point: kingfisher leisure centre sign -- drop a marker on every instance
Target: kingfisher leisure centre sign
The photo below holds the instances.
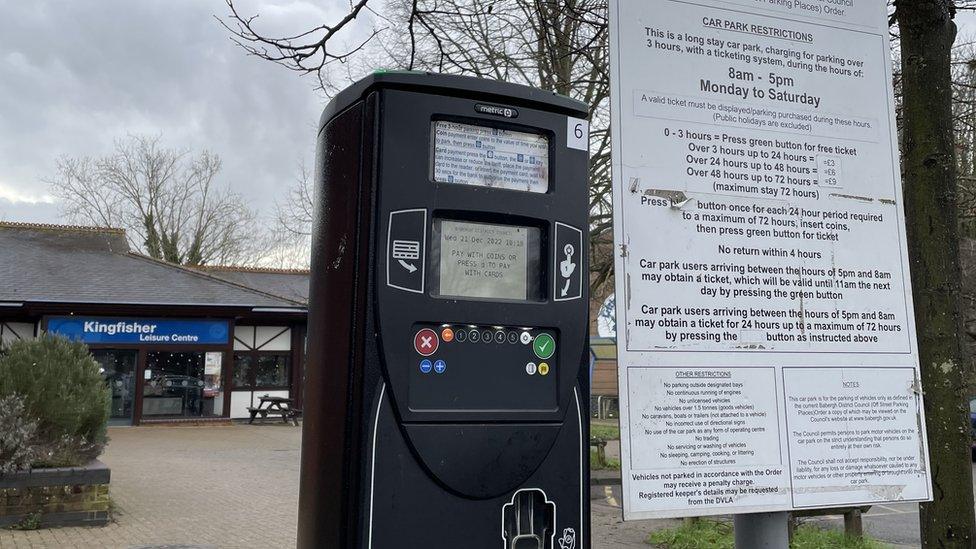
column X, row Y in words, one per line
column 140, row 330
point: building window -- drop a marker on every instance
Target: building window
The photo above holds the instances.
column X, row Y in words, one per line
column 271, row 371
column 181, row 384
column 242, row 371
column 257, row 370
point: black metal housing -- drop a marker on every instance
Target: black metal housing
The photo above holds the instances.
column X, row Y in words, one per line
column 376, row 472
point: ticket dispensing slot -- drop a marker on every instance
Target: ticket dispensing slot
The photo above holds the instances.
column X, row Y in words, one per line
column 529, row 521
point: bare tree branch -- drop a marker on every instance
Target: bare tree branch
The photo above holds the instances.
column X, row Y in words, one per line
column 167, row 201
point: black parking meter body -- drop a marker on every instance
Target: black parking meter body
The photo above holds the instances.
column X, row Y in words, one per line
column 446, row 387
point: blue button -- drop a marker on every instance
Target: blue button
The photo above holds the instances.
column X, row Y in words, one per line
column 440, row 366
column 425, row 366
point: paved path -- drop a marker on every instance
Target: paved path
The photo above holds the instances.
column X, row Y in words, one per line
column 236, row 486
column 233, row 486
column 608, row 528
column 229, row 486
column 895, row 523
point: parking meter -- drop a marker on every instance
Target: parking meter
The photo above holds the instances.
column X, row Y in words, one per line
column 446, row 383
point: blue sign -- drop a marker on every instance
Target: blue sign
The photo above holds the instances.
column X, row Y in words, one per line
column 154, row 331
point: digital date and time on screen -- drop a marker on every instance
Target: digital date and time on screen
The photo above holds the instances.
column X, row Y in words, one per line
column 481, row 260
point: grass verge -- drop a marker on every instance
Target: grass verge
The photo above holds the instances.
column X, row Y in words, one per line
column 605, row 432
column 713, row 534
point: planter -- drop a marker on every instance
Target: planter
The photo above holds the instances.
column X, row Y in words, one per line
column 64, row 496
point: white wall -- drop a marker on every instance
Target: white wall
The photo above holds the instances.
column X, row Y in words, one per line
column 240, row 400
column 14, row 331
column 262, row 338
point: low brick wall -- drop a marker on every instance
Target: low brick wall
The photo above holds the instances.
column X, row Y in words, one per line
column 65, row 496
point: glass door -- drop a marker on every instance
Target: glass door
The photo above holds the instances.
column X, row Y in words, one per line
column 119, row 368
column 182, row 384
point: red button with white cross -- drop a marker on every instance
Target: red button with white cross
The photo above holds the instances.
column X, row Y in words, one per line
column 426, row 342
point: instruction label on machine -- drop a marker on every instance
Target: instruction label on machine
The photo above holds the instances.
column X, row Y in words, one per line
column 766, row 340
column 467, row 154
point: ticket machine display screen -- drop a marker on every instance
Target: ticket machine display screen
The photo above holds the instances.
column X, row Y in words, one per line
column 467, row 154
column 483, row 260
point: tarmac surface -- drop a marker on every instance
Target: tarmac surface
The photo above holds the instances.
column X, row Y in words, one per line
column 236, row 486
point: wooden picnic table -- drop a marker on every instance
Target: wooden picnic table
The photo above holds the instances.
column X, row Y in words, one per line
column 275, row 406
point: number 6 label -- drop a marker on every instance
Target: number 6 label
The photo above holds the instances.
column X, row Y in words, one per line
column 578, row 134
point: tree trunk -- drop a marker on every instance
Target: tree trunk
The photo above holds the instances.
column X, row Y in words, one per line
column 927, row 33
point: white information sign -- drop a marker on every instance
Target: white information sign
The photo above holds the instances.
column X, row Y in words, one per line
column 212, row 363
column 766, row 340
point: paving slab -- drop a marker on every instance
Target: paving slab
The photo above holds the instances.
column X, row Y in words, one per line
column 236, row 486
column 211, row 486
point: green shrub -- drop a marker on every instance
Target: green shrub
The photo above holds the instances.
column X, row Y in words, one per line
column 63, row 390
column 18, row 434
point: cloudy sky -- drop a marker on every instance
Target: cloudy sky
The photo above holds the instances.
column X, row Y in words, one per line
column 76, row 75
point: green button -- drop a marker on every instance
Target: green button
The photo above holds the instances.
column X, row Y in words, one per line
column 544, row 346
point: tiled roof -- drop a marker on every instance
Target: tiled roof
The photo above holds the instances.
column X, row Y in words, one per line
column 241, row 269
column 55, row 263
column 287, row 283
column 60, row 228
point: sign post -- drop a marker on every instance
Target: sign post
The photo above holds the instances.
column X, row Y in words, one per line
column 766, row 338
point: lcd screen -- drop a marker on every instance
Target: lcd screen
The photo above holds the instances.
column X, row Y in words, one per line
column 481, row 260
column 467, row 154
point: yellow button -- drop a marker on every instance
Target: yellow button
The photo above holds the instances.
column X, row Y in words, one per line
column 543, row 369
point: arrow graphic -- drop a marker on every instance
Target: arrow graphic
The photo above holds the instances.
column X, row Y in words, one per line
column 410, row 267
column 565, row 289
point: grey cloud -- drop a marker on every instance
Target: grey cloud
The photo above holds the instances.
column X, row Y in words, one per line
column 76, row 75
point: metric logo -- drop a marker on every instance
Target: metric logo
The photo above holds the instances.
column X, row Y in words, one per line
column 496, row 110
